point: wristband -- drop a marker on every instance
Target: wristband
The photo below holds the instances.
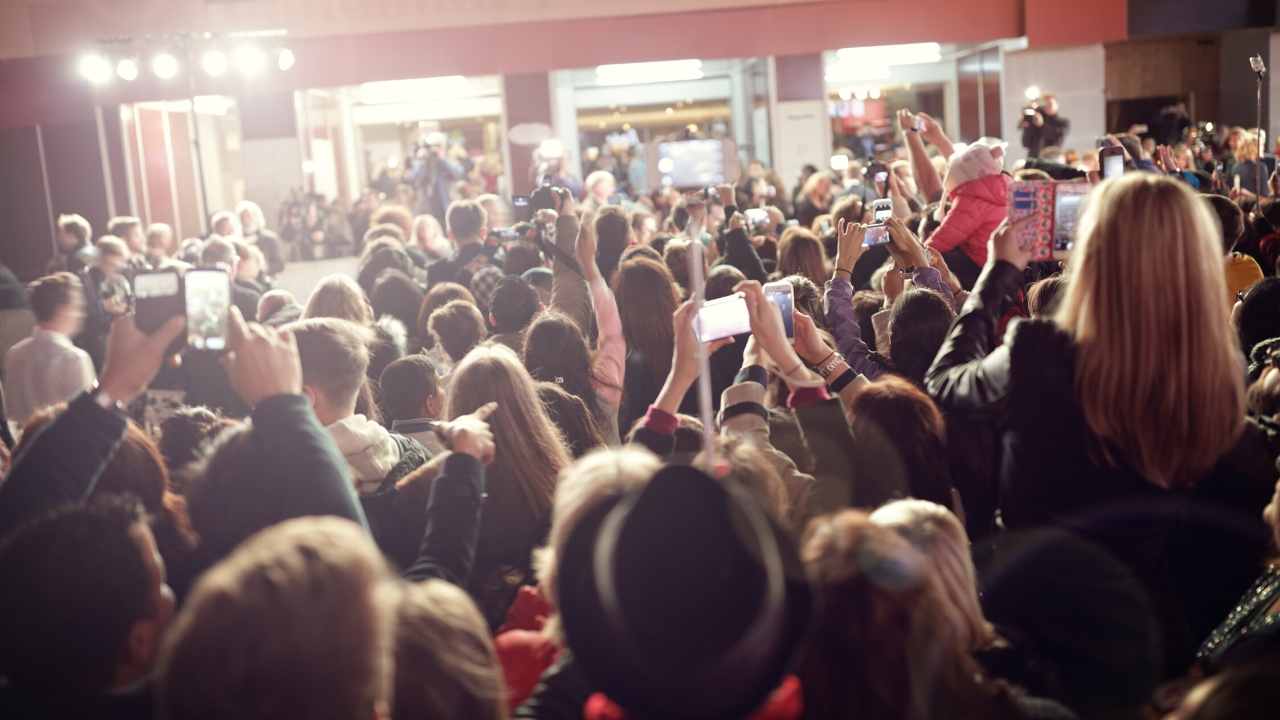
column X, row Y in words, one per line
column 106, row 402
column 843, row 381
column 830, row 365
column 753, row 373
column 744, row 408
column 846, row 272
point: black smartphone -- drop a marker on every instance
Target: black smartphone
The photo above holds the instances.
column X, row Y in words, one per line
column 158, row 298
column 208, row 302
column 520, row 208
column 1111, row 159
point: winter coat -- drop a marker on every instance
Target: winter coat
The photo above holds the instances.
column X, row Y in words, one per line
column 976, row 208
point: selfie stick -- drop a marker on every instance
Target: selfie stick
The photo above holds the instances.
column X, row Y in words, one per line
column 697, row 291
column 1257, row 65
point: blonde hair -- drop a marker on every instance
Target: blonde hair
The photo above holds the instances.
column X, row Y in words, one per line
column 445, row 663
column 297, row 620
column 1247, row 147
column 530, row 450
column 597, row 477
column 938, row 535
column 338, row 296
column 1171, row 415
column 812, row 182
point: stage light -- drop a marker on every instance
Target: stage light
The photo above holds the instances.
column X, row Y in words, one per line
column 249, row 60
column 164, row 65
column 1032, row 93
column 127, row 69
column 285, row 59
column 95, row 68
column 214, row 63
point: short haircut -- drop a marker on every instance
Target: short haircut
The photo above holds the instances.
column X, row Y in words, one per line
column 185, row 434
column 722, row 280
column 383, row 230
column 51, row 293
column 612, row 235
column 514, row 304
column 437, row 297
column 297, row 620
column 405, row 384
column 334, row 355
column 397, row 216
column 338, row 296
column 110, row 245
column 218, row 250
column 458, row 326
column 77, row 227
column 1044, row 296
column 396, row 294
column 466, row 219
column 159, row 231
column 75, row 583
column 273, row 301
column 520, row 258
column 122, row 225
column 1230, row 219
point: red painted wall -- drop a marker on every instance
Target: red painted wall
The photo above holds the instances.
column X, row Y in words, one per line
column 1080, row 22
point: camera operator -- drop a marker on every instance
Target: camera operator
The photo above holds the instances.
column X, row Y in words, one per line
column 434, row 176
column 1042, row 126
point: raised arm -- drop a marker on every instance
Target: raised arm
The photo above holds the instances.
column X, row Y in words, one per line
column 922, row 168
column 569, row 293
column 838, row 304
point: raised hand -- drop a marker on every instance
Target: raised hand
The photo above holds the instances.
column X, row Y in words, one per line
column 1004, row 244
column 684, row 358
column 904, row 247
column 906, row 120
column 133, row 357
column 849, row 237
column 263, row 362
column 808, row 343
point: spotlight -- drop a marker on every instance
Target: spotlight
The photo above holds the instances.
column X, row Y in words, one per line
column 164, row 65
column 95, row 68
column 1032, row 93
column 874, row 93
column 285, row 59
column 214, row 63
column 127, row 69
column 249, row 60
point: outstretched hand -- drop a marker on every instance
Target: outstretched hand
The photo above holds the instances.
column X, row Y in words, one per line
column 809, row 344
column 134, row 357
column 684, row 359
column 263, row 362
column 470, row 434
column 849, row 237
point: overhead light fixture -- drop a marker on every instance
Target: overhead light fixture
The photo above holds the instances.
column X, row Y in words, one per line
column 164, row 65
column 907, row 54
column 249, row 60
column 214, row 63
column 649, row 72
column 444, row 87
column 285, row 59
column 1032, row 93
column 95, row 68
column 843, row 72
column 127, row 69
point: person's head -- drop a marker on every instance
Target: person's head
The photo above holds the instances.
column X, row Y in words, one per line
column 514, row 304
column 752, row 470
column 900, row 433
column 817, row 187
column 458, row 327
column 396, row 215
column 57, row 301
column 807, row 298
column 429, row 236
column 437, row 297
column 800, row 252
column 335, row 357
column 466, row 222
column 299, row 620
column 73, row 232
column 1118, row 310
column 185, row 434
column 647, row 299
column 220, row 252
column 571, row 416
column 225, row 223
column 251, row 260
column 85, row 603
column 1230, row 220
column 410, row 389
column 495, row 211
column 378, row 236
column 129, row 229
column 445, row 663
column 396, row 294
column 541, row 279
column 676, row 257
column 600, row 185
column 160, row 242
column 1049, row 104
column 273, row 301
column 556, row 351
column 918, row 323
column 382, row 260
column 939, row 535
column 1258, row 316
column 643, row 226
column 1247, row 148
column 113, row 255
column 521, row 257
column 532, row 452
column 722, row 280
column 338, row 296
column 866, row 303
column 1044, row 296
column 613, row 235
column 252, row 221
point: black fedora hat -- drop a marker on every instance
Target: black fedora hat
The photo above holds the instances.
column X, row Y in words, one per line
column 682, row 599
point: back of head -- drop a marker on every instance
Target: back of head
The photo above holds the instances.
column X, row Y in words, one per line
column 74, row 585
column 437, row 297
column 465, row 220
column 185, row 433
column 334, row 355
column 918, row 324
column 218, row 251
column 397, row 295
column 122, row 225
column 571, row 417
column 405, row 385
column 521, row 258
column 1117, row 310
column 900, row 432
column 77, row 227
column 274, row 302
column 613, row 233
column 445, row 664
column 514, row 304
column 1259, row 316
column 801, row 253
column 458, row 327
column 111, row 246
column 396, row 215
column 646, row 301
column 380, row 236
column 297, row 621
column 556, row 351
column 51, row 293
column 722, row 280
column 1044, row 296
column 380, row 261
column 676, row 257
column 338, row 296
column 1230, row 220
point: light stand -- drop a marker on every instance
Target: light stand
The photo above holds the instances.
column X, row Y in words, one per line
column 1260, row 67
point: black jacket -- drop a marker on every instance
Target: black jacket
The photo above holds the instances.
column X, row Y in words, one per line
column 1194, row 551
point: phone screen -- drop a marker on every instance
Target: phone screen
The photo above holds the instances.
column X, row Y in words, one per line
column 208, row 305
column 876, row 235
column 1066, row 211
column 722, row 318
column 1112, row 164
column 158, row 297
column 782, row 294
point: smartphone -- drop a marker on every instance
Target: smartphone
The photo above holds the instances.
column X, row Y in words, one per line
column 919, row 124
column 1066, row 212
column 1112, row 161
column 782, row 294
column 520, row 207
column 158, row 298
column 839, row 163
column 757, row 220
column 208, row 296
column 877, row 231
column 721, row 318
column 1235, row 182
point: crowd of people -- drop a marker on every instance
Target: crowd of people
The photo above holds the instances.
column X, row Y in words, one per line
column 480, row 477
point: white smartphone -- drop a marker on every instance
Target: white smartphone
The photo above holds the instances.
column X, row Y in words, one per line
column 782, row 294
column 208, row 307
column 877, row 231
column 721, row 318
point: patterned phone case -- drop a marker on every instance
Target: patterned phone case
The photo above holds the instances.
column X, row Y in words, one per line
column 1033, row 198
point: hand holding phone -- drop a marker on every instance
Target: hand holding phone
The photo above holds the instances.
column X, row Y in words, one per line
column 1112, row 160
column 208, row 300
column 722, row 318
column 878, row 232
column 782, row 295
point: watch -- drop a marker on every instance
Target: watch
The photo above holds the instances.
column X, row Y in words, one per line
column 105, row 401
column 830, row 365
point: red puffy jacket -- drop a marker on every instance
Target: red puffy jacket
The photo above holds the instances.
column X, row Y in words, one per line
column 976, row 208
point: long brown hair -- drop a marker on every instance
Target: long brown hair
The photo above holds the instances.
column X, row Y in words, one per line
column 800, row 252
column 1158, row 371
column 646, row 301
column 530, row 450
column 338, row 296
